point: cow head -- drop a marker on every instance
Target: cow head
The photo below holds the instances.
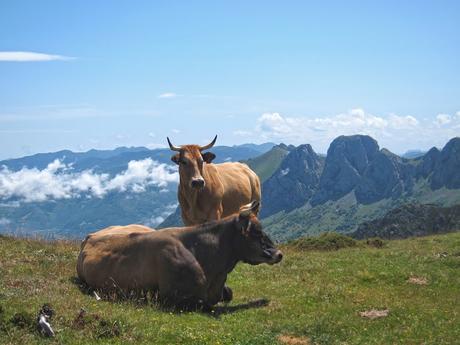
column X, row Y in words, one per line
column 191, row 159
column 253, row 245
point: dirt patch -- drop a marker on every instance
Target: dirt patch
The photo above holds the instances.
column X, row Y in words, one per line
column 291, row 340
column 98, row 326
column 418, row 280
column 374, row 313
column 23, row 320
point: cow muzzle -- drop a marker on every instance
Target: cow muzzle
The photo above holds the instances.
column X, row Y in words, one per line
column 197, row 183
column 273, row 255
column 278, row 256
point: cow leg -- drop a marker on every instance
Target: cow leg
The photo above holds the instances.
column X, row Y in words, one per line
column 227, row 294
column 181, row 279
column 217, row 291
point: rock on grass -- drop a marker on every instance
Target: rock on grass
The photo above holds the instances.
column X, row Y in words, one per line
column 374, row 313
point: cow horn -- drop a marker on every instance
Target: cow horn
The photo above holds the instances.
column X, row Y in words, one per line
column 172, row 147
column 211, row 144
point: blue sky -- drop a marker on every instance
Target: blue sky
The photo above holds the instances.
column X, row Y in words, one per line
column 131, row 73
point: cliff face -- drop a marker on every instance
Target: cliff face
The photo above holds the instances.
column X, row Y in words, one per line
column 386, row 176
column 446, row 172
column 294, row 182
column 356, row 163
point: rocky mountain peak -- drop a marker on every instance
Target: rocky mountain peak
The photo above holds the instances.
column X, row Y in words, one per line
column 347, row 159
column 294, row 182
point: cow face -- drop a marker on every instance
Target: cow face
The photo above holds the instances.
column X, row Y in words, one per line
column 191, row 160
column 255, row 246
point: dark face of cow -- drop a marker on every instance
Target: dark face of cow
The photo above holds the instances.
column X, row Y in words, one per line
column 191, row 160
column 254, row 246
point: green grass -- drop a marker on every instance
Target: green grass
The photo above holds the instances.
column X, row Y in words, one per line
column 266, row 164
column 313, row 295
column 325, row 241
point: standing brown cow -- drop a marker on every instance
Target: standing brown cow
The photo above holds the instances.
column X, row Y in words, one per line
column 211, row 191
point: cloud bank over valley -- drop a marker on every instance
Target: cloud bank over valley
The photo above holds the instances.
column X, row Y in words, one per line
column 58, row 181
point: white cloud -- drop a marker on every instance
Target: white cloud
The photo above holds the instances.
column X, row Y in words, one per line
column 396, row 132
column 58, row 181
column 402, row 122
column 167, row 95
column 443, row 119
column 300, row 129
column 31, row 56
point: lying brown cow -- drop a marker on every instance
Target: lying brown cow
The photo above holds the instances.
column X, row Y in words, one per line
column 211, row 191
column 183, row 264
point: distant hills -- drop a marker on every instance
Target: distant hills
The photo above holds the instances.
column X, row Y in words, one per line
column 116, row 160
column 351, row 189
column 131, row 200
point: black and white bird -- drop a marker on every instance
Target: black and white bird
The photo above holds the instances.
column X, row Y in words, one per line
column 43, row 324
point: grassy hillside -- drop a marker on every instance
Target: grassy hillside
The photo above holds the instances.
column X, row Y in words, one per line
column 312, row 297
column 345, row 215
column 265, row 165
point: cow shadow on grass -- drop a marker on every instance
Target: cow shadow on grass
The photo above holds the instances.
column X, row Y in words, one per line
column 149, row 298
column 219, row 310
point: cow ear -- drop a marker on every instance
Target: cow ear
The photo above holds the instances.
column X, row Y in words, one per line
column 208, row 157
column 255, row 206
column 252, row 208
column 175, row 158
column 244, row 223
column 244, row 219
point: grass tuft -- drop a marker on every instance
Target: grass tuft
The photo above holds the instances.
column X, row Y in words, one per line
column 326, row 241
column 375, row 242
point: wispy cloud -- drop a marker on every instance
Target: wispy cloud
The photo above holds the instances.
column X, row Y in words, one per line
column 168, row 95
column 58, row 181
column 17, row 56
